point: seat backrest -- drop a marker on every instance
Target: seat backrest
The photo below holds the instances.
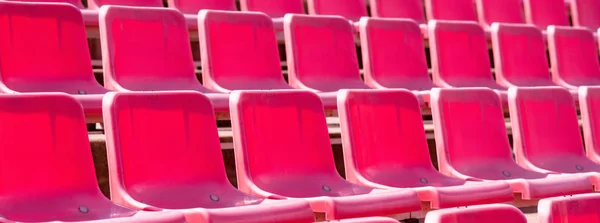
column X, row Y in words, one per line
column 469, row 128
column 589, row 102
column 161, row 60
column 575, row 208
column 273, row 8
column 321, row 53
column 239, row 51
column 352, row 10
column 459, row 54
column 382, row 130
column 520, row 55
column 162, row 143
column 491, row 213
column 574, row 56
column 280, row 135
column 96, row 4
column 462, row 10
column 586, row 13
column 390, row 63
column 50, row 35
column 194, row 6
column 543, row 13
column 407, row 9
column 76, row 3
column 503, row 11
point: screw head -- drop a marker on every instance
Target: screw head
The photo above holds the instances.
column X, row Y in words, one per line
column 326, row 188
column 423, row 180
column 506, row 173
column 83, row 209
column 214, row 197
column 580, row 168
column 81, row 92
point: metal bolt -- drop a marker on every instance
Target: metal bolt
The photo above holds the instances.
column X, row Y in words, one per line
column 83, row 209
column 81, row 92
column 423, row 180
column 506, row 174
column 578, row 167
column 214, row 197
column 326, row 188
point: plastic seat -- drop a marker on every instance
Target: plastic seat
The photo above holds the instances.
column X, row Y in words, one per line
column 160, row 61
column 546, row 135
column 54, row 57
column 586, row 13
column 352, row 10
column 190, row 8
column 90, row 17
column 321, row 55
column 96, row 4
column 576, row 208
column 589, row 102
column 491, row 213
column 502, row 11
column 189, row 176
column 458, row 10
column 405, row 9
column 367, row 220
column 47, row 172
column 459, row 56
column 282, row 151
column 472, row 144
column 239, row 52
column 543, row 13
column 573, row 56
column 389, row 63
column 385, row 147
column 276, row 9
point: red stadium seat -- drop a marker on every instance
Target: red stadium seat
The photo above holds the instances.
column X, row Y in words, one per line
column 576, row 208
column 502, row 11
column 321, row 55
column 96, row 4
column 546, row 135
column 472, row 144
column 389, row 63
column 52, row 57
column 460, row 10
column 282, row 151
column 459, row 56
column 352, row 10
column 189, row 176
column 573, row 56
column 160, row 61
column 405, row 9
column 276, row 9
column 586, row 13
column 385, row 147
column 239, row 52
column 46, row 168
column 492, row 213
column 190, row 8
column 90, row 17
column 543, row 13
column 589, row 101
column 366, row 220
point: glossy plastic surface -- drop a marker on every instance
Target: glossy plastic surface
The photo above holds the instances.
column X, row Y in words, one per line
column 543, row 13
column 76, row 3
column 472, row 144
column 239, row 51
column 576, row 208
column 192, row 7
column 53, row 164
column 502, row 11
column 352, row 10
column 589, row 102
column 406, row 9
column 385, row 147
column 390, row 63
column 96, row 4
column 273, row 8
column 573, row 56
column 586, row 13
column 53, row 57
column 460, row 10
column 264, row 121
column 492, row 213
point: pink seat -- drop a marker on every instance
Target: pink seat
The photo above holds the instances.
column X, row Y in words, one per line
column 160, row 61
column 90, row 17
column 389, row 63
column 492, row 213
column 282, row 151
column 455, row 65
column 502, row 11
column 189, row 176
column 321, row 55
column 543, row 13
column 239, row 52
column 460, row 10
column 546, row 133
column 589, row 102
column 586, row 13
column 53, row 57
column 47, row 172
column 96, row 4
column 366, row 220
column 406, row 9
column 574, row 57
column 576, row 208
column 276, row 9
column 352, row 10
column 190, row 8
column 385, row 147
column 472, row 144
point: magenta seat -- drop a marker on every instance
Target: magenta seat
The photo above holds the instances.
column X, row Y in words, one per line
column 282, row 151
column 190, row 8
column 502, row 11
column 576, row 208
column 389, row 63
column 321, row 55
column 586, row 13
column 573, row 56
column 276, row 9
column 455, row 65
column 53, row 57
column 543, row 13
column 405, row 9
column 491, row 213
column 96, row 4
column 385, row 147
column 546, row 133
column 160, row 61
column 239, row 51
column 47, row 172
column 366, row 220
column 461, row 10
column 352, row 10
column 188, row 177
column 472, row 144
column 589, row 102
column 90, row 17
